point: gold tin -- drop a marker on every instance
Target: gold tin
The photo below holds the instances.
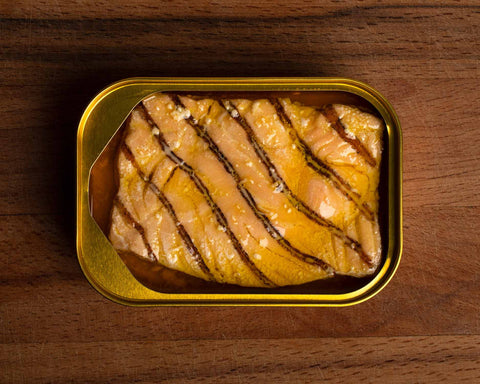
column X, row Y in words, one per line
column 106, row 271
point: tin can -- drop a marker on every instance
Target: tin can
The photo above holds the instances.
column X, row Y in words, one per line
column 109, row 274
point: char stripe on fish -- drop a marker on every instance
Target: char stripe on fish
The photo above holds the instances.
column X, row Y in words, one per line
column 192, row 249
column 170, row 176
column 203, row 134
column 318, row 165
column 336, row 123
column 276, row 178
column 137, row 226
column 219, row 215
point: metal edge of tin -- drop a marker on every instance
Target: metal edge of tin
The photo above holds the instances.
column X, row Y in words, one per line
column 102, row 266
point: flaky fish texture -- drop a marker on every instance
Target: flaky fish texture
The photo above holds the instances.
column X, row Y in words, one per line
column 257, row 193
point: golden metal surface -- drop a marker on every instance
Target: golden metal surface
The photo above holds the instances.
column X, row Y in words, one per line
column 106, row 113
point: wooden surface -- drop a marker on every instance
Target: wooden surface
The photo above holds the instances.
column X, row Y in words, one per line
column 55, row 56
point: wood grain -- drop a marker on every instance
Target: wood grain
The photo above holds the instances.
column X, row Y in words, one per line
column 424, row 58
column 345, row 360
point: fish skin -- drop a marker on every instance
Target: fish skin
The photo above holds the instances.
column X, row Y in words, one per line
column 221, row 258
column 304, row 234
column 313, row 127
column 144, row 206
column 223, row 189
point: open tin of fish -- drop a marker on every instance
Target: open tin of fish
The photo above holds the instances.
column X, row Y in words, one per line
column 125, row 280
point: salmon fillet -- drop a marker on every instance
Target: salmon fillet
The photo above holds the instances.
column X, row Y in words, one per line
column 257, row 193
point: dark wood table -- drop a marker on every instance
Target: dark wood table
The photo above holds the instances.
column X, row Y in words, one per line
column 424, row 57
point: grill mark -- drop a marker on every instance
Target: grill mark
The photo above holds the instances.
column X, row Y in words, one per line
column 335, row 254
column 192, row 249
column 201, row 131
column 329, row 112
column 283, row 187
column 219, row 215
column 214, row 262
column 170, row 176
column 137, row 226
column 317, row 164
column 272, row 251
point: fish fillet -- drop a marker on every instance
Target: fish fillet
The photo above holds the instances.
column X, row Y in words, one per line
column 257, row 193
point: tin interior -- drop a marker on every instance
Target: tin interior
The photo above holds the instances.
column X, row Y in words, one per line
column 103, row 187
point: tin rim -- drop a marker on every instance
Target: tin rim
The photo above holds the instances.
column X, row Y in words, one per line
column 134, row 293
